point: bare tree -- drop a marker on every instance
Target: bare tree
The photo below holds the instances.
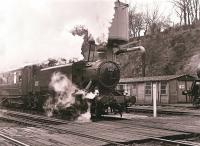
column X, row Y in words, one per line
column 136, row 24
column 151, row 22
column 181, row 9
column 188, row 10
column 132, row 12
column 196, row 9
column 155, row 21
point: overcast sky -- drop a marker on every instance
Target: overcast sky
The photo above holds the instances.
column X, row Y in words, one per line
column 32, row 31
column 165, row 7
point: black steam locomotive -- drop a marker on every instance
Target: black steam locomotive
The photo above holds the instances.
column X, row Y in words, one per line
column 28, row 87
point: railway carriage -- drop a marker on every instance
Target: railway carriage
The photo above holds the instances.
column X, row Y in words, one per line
column 14, row 85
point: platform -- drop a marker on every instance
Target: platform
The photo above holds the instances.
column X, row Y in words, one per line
column 173, row 109
column 103, row 132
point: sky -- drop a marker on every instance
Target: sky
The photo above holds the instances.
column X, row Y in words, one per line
column 31, row 31
column 165, row 7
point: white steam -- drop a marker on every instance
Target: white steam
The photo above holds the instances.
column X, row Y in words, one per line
column 87, row 116
column 64, row 90
column 193, row 64
column 65, row 97
column 32, row 31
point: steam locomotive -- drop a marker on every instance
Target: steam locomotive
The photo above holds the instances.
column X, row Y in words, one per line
column 28, row 87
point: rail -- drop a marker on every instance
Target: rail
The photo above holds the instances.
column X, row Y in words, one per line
column 44, row 125
column 177, row 142
column 12, row 140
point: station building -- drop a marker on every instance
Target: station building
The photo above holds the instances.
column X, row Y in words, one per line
column 167, row 89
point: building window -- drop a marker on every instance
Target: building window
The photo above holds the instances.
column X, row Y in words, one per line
column 148, row 88
column 121, row 87
column 133, row 86
column 163, row 89
column 128, row 89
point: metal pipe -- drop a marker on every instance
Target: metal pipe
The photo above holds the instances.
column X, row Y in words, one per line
column 128, row 44
column 88, row 86
column 138, row 48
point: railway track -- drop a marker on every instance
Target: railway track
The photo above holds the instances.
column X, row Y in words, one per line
column 34, row 117
column 48, row 124
column 12, row 140
column 176, row 142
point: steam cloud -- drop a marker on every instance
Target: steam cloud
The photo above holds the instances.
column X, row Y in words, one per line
column 193, row 64
column 64, row 90
column 34, row 30
column 65, row 99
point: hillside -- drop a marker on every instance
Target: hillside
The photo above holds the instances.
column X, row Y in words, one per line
column 174, row 51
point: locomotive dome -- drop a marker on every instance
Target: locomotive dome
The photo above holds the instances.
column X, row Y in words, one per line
column 109, row 74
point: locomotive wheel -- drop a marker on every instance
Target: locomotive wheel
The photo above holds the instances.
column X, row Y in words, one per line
column 97, row 109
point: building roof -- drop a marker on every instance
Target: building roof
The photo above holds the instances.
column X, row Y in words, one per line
column 156, row 78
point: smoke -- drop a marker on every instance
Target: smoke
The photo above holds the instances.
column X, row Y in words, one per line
column 85, row 117
column 68, row 101
column 193, row 64
column 32, row 31
column 63, row 97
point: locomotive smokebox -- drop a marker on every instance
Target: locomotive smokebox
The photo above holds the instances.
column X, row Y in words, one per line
column 103, row 74
column 118, row 32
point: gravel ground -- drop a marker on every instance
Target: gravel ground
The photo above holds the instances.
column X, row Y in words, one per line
column 153, row 143
column 8, row 124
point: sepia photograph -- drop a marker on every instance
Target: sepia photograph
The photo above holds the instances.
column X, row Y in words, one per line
column 100, row 73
